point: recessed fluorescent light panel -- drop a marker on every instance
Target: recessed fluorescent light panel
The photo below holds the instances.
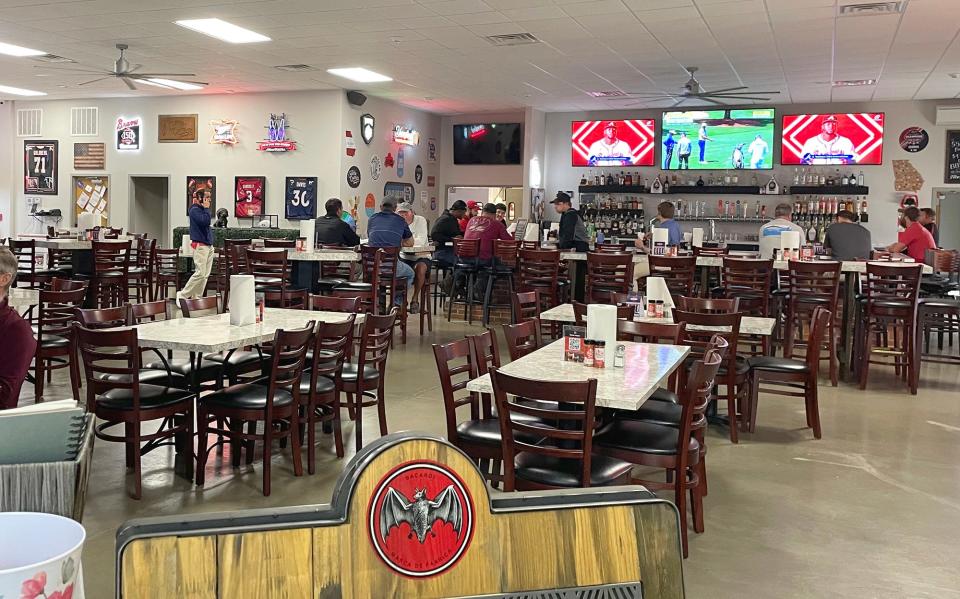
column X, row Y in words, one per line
column 360, row 75
column 171, row 83
column 11, row 50
column 222, row 30
column 19, row 91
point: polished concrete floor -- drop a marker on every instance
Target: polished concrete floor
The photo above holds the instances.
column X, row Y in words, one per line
column 870, row 511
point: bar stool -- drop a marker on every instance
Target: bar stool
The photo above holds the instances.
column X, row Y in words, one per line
column 166, row 272
column 367, row 288
column 749, row 281
column 25, row 252
column 607, row 273
column 234, row 260
column 709, row 275
column 889, row 302
column 109, row 284
column 503, row 267
column 467, row 267
column 142, row 261
column 946, row 273
column 270, row 277
column 334, row 274
column 940, row 316
column 811, row 285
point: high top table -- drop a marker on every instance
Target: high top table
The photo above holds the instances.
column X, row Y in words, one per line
column 21, row 299
column 306, row 271
column 749, row 325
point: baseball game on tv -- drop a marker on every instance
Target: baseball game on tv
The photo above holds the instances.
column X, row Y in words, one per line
column 717, row 139
column 854, row 138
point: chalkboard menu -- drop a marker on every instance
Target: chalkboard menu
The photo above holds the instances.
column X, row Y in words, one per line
column 951, row 173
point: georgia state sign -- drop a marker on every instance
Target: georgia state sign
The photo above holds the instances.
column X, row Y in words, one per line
column 421, row 519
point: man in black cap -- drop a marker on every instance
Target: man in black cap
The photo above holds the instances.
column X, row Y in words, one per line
column 445, row 230
column 573, row 233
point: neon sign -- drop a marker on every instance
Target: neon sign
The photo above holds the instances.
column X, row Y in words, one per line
column 406, row 135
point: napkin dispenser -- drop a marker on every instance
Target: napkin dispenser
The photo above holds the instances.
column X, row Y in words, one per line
column 307, row 231
column 697, row 237
column 660, row 239
column 602, row 323
column 789, row 240
column 243, row 309
column 657, row 290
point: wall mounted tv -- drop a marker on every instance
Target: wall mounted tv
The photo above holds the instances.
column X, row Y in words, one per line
column 488, row 143
column 613, row 143
column 854, row 138
column 718, row 139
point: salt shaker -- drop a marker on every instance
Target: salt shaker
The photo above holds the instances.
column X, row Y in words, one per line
column 619, row 356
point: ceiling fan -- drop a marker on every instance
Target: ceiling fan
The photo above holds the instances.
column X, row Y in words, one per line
column 127, row 73
column 692, row 90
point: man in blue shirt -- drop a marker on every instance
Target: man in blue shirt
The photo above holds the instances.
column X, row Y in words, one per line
column 665, row 212
column 201, row 240
column 668, row 150
column 387, row 229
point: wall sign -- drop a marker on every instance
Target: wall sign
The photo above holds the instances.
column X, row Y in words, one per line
column 418, row 174
column 951, row 173
column 225, row 132
column 431, row 181
column 90, row 195
column 89, row 156
column 353, row 177
column 400, row 192
column 914, row 139
column 350, row 143
column 40, row 169
column 300, row 199
column 388, row 160
column 431, row 150
column 400, row 166
column 906, row 177
column 128, row 133
column 196, row 184
column 367, row 125
column 406, row 135
column 177, row 128
column 433, row 203
column 369, row 205
column 375, row 167
column 277, row 135
column 248, row 196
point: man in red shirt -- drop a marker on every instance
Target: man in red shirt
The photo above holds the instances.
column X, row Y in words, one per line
column 486, row 228
column 914, row 240
column 18, row 345
column 473, row 207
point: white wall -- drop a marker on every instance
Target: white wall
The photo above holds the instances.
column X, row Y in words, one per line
column 7, row 178
column 478, row 175
column 388, row 114
column 317, row 121
column 883, row 200
column 534, row 156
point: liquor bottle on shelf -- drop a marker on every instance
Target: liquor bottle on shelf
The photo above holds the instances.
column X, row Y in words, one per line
column 860, row 178
column 673, row 179
column 700, row 182
column 583, row 179
column 666, row 186
column 844, row 180
column 656, row 186
column 763, row 212
column 628, row 179
column 610, row 179
column 596, row 179
column 822, row 231
column 736, row 213
column 823, row 179
column 726, row 208
column 864, row 217
column 735, row 179
column 812, row 231
column 796, row 175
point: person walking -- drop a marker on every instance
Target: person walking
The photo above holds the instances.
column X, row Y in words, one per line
column 201, row 240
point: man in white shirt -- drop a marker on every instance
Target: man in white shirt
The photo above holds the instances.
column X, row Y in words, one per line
column 758, row 152
column 609, row 150
column 829, row 147
column 419, row 263
column 770, row 232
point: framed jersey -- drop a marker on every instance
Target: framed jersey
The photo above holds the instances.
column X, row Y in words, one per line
column 300, row 199
column 249, row 194
column 40, row 169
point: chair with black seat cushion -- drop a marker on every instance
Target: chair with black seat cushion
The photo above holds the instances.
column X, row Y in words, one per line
column 940, row 316
column 945, row 277
column 161, row 373
column 367, row 289
column 811, row 285
column 564, row 457
column 287, row 244
column 57, row 312
column 525, row 304
column 234, row 363
column 678, row 272
column 334, row 274
column 271, row 274
column 363, row 379
column 748, row 280
column 110, row 283
column 655, row 332
column 25, row 251
column 465, row 269
column 141, row 274
column 332, row 303
column 704, row 305
column 503, row 268
column 234, row 262
column 538, row 270
column 275, row 401
column 523, row 337
column 607, row 273
column 321, row 383
column 787, row 374
column 610, row 248
column 671, row 448
column 166, row 272
column 117, row 397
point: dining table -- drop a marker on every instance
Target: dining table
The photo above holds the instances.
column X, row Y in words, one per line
column 306, row 268
column 647, row 366
column 749, row 325
column 21, row 298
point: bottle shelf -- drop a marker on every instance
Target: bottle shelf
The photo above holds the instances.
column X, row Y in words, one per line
column 674, row 189
column 840, row 190
column 613, row 189
column 589, row 208
column 721, row 219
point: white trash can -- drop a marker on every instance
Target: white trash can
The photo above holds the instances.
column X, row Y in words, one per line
column 40, row 556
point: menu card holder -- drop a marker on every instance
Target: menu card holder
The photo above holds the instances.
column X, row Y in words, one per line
column 602, row 323
column 660, row 239
column 242, row 300
column 697, row 237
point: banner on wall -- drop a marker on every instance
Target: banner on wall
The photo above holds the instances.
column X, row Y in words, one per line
column 399, row 192
column 300, row 198
column 40, row 167
column 90, row 196
column 128, row 133
column 249, row 194
column 196, row 184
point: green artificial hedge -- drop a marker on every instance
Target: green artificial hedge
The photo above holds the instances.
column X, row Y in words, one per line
column 219, row 234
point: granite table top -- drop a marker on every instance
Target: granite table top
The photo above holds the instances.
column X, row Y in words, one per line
column 647, row 367
column 749, row 325
column 21, row 299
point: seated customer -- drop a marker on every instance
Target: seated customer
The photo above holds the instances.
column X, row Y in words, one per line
column 665, row 212
column 419, row 264
column 914, row 240
column 928, row 218
column 387, row 229
column 331, row 229
column 486, row 228
column 847, row 239
column 445, row 230
column 18, row 346
column 770, row 232
column 502, row 213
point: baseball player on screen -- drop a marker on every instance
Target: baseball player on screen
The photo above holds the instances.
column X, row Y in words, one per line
column 609, row 149
column 828, row 147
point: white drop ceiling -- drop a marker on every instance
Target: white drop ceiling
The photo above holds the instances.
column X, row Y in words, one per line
column 440, row 61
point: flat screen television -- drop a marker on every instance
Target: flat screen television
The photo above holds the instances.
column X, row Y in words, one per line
column 488, row 143
column 613, row 143
column 852, row 138
column 717, row 139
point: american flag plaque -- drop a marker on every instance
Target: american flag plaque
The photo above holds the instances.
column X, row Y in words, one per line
column 89, row 156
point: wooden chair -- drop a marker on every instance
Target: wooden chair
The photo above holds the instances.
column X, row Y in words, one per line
column 786, row 374
column 276, row 402
column 110, row 283
column 812, row 285
column 624, row 311
column 538, row 271
column 363, row 380
column 287, row 244
column 233, row 261
column 607, row 273
column 611, row 248
column 673, row 449
column 141, row 273
column 166, row 271
column 526, row 304
column 334, row 274
column 25, row 251
column 945, row 277
column 750, row 281
column 56, row 314
column 565, row 457
column 321, row 384
column 467, row 252
column 270, row 271
column 678, row 272
column 371, row 260
column 523, row 337
column 703, row 305
column 504, row 267
column 233, row 364
column 332, row 303
column 117, row 396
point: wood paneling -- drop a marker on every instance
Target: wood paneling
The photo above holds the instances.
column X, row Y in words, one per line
column 262, row 565
column 183, row 567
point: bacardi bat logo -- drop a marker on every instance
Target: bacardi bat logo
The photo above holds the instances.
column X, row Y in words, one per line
column 421, row 519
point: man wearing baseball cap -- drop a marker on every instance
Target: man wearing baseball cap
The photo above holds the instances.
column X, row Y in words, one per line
column 609, row 150
column 387, row 229
column 573, row 233
column 828, row 147
column 420, row 263
column 473, row 209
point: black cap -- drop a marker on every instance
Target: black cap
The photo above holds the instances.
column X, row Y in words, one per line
column 490, row 207
column 562, row 198
column 458, row 205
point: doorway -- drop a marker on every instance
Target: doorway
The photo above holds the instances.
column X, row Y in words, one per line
column 150, row 207
column 947, row 204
